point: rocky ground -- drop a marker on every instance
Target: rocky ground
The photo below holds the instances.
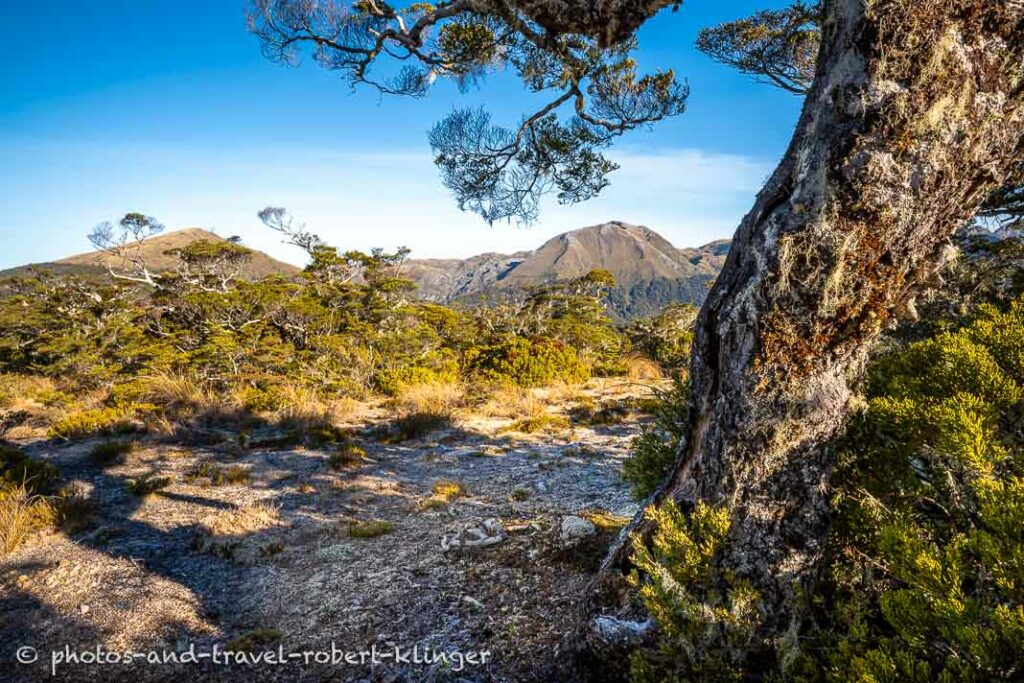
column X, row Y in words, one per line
column 475, row 543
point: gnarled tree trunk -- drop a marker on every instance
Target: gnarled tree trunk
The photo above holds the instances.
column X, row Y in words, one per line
column 915, row 117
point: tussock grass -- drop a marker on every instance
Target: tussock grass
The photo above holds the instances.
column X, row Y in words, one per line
column 22, row 514
column 439, row 398
column 640, row 368
column 348, row 455
column 147, row 484
column 512, row 401
column 111, row 452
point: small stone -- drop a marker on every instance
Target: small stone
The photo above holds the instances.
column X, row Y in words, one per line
column 84, row 609
column 575, row 529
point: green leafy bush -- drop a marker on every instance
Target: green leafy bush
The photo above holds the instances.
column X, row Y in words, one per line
column 525, row 362
column 653, row 453
column 705, row 622
column 927, row 551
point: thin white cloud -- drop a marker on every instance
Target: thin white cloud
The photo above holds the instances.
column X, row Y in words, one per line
column 353, row 199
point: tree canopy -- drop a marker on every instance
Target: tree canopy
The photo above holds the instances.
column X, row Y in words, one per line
column 592, row 87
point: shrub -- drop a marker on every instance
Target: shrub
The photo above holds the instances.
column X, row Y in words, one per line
column 653, row 453
column 705, row 621
column 927, row 556
column 393, row 381
column 86, row 423
column 532, row 362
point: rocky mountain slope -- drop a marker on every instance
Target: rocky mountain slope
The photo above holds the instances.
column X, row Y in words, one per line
column 649, row 270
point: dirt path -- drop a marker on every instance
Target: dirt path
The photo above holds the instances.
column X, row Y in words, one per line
column 278, row 559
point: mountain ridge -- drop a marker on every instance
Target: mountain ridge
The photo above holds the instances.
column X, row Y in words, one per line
column 649, row 271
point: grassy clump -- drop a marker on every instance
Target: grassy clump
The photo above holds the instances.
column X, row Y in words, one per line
column 249, row 641
column 111, row 452
column 217, row 475
column 18, row 469
column 417, row 425
column 545, row 422
column 22, row 513
column 442, row 493
column 370, row 529
column 147, row 484
column 347, row 456
column 519, row 494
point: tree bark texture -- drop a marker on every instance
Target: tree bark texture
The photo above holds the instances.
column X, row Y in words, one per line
column 915, row 117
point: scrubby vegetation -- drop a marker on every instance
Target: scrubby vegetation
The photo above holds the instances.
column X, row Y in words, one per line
column 924, row 577
column 184, row 352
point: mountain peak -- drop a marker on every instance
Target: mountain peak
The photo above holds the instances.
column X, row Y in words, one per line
column 649, row 270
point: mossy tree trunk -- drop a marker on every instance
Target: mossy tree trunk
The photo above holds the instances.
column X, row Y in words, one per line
column 915, row 117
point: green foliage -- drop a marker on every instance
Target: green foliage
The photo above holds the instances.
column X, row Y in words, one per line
column 928, row 556
column 706, row 620
column 184, row 351
column 654, row 451
column 666, row 338
column 370, row 529
column 86, row 423
column 525, row 362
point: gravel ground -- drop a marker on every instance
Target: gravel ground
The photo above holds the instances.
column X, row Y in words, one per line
column 277, row 561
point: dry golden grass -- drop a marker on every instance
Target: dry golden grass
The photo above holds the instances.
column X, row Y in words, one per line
column 642, row 369
column 513, row 402
column 178, row 392
column 247, row 519
column 436, row 398
column 21, row 515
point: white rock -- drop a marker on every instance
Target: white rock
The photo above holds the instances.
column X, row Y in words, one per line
column 575, row 529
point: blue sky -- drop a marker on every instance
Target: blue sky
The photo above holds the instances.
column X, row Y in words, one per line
column 167, row 107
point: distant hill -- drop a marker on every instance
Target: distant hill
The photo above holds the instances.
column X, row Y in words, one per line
column 649, row 270
column 155, row 251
